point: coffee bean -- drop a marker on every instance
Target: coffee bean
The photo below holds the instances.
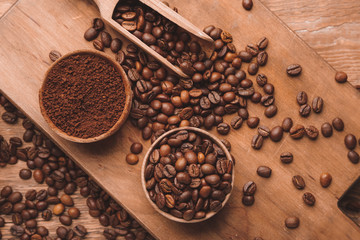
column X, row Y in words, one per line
column 270, row 111
column 264, row 171
column 293, row 70
column 15, row 197
column 262, row 43
column 276, row 134
column 17, row 230
column 249, row 188
column 17, row 219
column 61, row 232
column 267, row 100
column 264, row 131
column 253, row 68
column 338, row 124
column 350, row 141
column 287, row 124
column 286, row 157
column 312, row 132
column 297, row 131
column 25, row 174
column 309, row 199
column 41, row 195
column 58, row 209
column 136, row 148
column 253, row 122
column 317, row 104
column 341, row 77
column 269, row 88
column 236, row 122
column 257, row 142
column 326, row 130
column 9, row 117
column 248, row 200
column 65, row 220
column 91, row 34
column 353, row 157
column 38, row 176
column 243, row 113
column 54, row 55
column 46, row 215
column 223, row 128
column 292, row 222
column 325, row 179
column 115, row 45
column 262, row 58
column 74, row 212
column 6, row 191
column 98, row 24
column 132, row 159
column 302, row 98
column 305, row 110
column 261, row 79
column 129, row 25
column 298, row 182
column 98, row 45
column 80, row 230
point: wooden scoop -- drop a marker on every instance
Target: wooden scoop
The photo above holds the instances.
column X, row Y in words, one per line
column 107, row 7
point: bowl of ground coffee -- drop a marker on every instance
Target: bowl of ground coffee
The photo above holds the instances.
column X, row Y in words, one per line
column 85, row 96
column 187, row 175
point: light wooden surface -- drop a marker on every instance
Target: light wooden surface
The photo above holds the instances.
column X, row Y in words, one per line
column 235, row 220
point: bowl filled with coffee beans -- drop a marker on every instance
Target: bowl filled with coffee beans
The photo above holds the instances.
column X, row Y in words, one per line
column 187, row 175
column 85, row 96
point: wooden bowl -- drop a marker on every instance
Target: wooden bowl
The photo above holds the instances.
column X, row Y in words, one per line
column 124, row 115
column 146, row 159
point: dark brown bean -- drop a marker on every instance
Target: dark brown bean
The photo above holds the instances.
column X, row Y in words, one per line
column 309, row 199
column 325, row 179
column 341, row 77
column 298, row 182
column 293, row 70
column 264, row 171
column 292, row 222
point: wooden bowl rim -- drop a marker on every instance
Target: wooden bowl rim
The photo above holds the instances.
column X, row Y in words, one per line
column 124, row 115
column 146, row 159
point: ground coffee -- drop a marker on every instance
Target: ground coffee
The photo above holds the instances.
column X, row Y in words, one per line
column 84, row 95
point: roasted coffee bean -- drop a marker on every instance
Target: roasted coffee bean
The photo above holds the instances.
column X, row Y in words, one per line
column 287, row 124
column 298, row 182
column 243, row 113
column 98, row 45
column 25, row 174
column 253, row 122
column 248, row 200
column 253, row 68
column 15, row 197
column 6, row 208
column 292, row 222
column 267, row 100
column 305, row 110
column 249, row 188
column 17, row 230
column 312, row 132
column 338, row 124
column 132, row 159
column 80, row 230
column 264, row 171
column 247, row 4
column 17, row 219
column 293, row 70
column 325, row 179
column 270, row 111
column 269, row 88
column 262, row 58
column 326, row 130
column 223, row 128
column 264, row 131
column 236, row 122
column 46, row 215
column 261, row 79
column 38, row 176
column 341, row 77
column 65, row 220
column 297, row 131
column 262, row 43
column 302, row 98
column 286, row 157
column 257, row 142
column 41, row 195
column 317, row 104
column 54, row 55
column 276, row 134
column 91, row 34
column 309, row 199
column 353, row 157
column 9, row 117
column 74, row 212
column 350, row 141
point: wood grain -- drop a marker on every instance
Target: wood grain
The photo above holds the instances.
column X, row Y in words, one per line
column 235, row 220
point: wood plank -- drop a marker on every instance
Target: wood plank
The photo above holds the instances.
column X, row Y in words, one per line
column 276, row 197
column 5, row 5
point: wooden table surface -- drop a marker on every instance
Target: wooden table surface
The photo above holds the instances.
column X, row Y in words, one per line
column 331, row 27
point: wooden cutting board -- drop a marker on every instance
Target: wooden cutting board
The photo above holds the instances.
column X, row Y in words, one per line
column 31, row 29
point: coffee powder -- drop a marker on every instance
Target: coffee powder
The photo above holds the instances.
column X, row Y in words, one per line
column 84, row 95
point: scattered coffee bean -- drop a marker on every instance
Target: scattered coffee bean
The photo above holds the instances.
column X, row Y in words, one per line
column 325, row 179
column 248, row 200
column 247, row 4
column 312, row 132
column 262, row 43
column 91, row 34
column 305, row 110
column 353, row 157
column 54, row 55
column 302, row 98
column 317, row 104
column 297, row 131
column 65, row 220
column 257, row 142
column 74, row 212
column 286, row 157
column 264, row 171
column 326, row 130
column 25, row 174
column 253, row 122
column 58, row 209
column 287, row 124
column 249, row 188
column 132, row 159
column 338, row 124
column 309, row 199
column 292, row 222
column 136, row 148
column 223, row 128
column 270, row 111
column 298, row 182
column 293, row 70
column 264, row 131
column 350, row 141
column 236, row 122
column 276, row 134
column 46, row 215
column 341, row 77
column 80, row 230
